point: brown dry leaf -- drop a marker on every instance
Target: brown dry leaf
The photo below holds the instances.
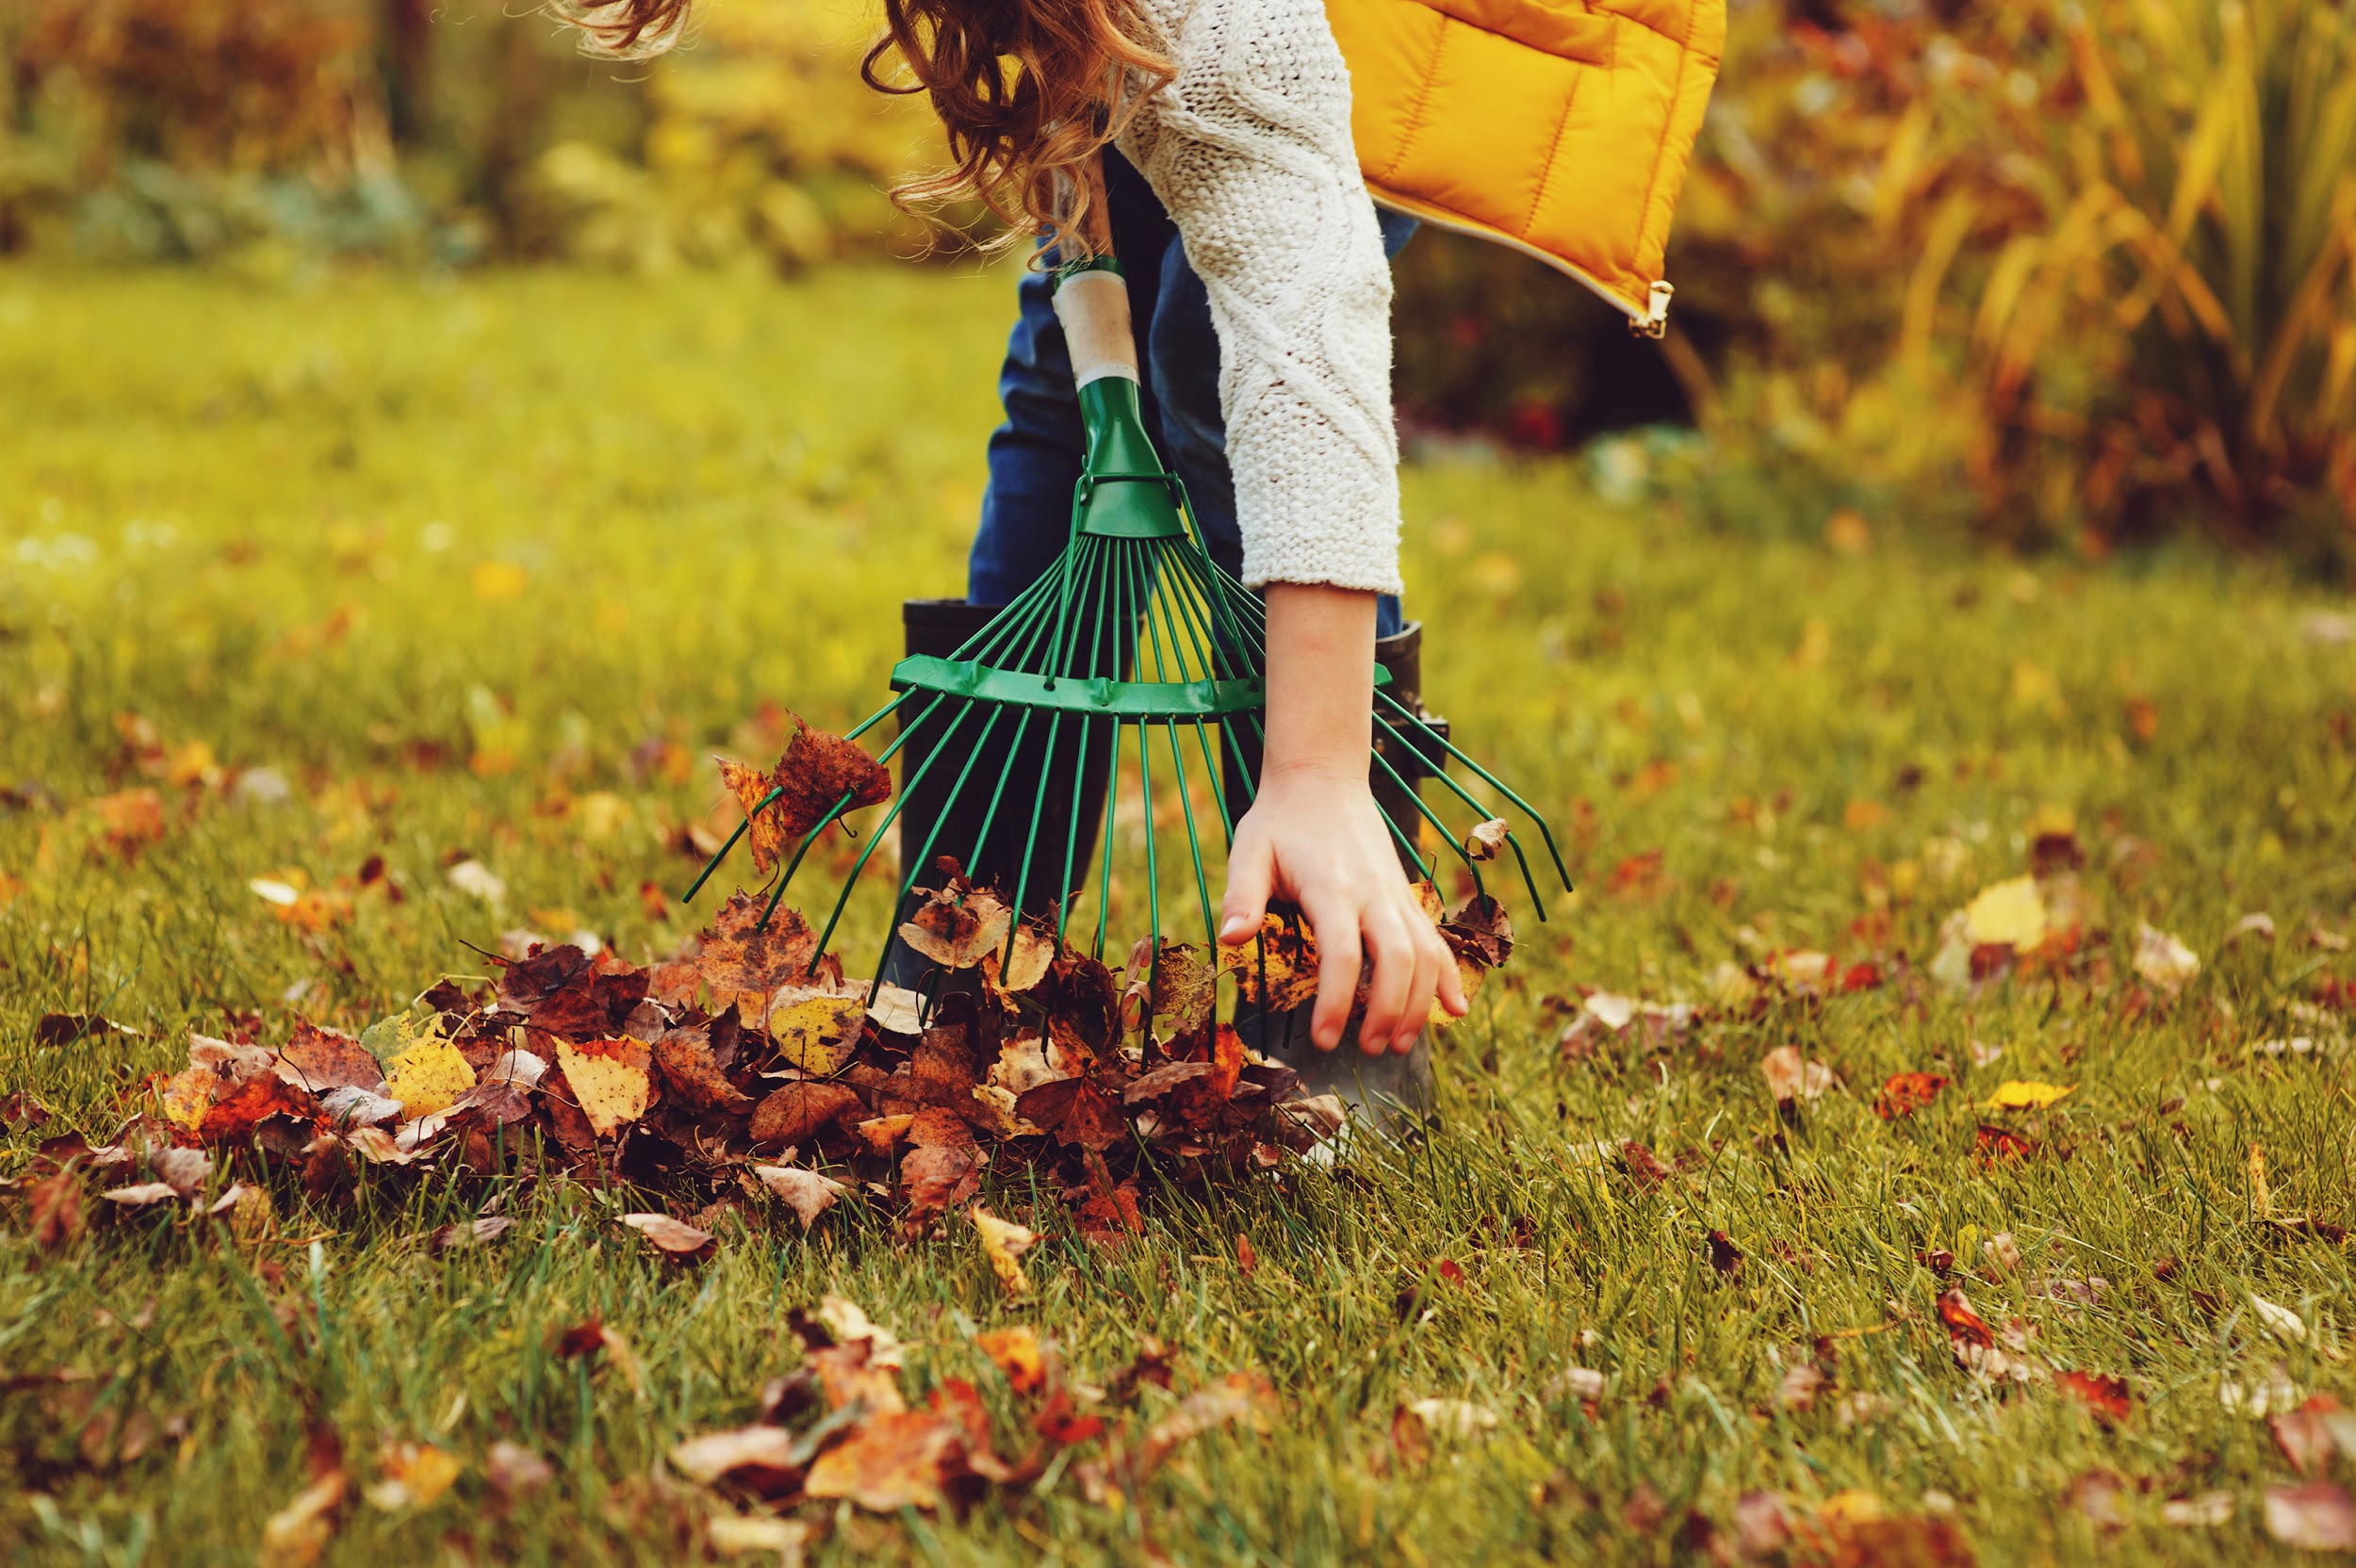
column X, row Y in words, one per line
column 1904, row 1093
column 1184, row 989
column 936, row 1180
column 1077, row 1111
column 796, row 1113
column 747, row 965
column 236, row 1117
column 890, row 1462
column 140, row 1195
column 1028, row 960
column 296, row 1535
column 2309, row 1434
column 1244, row 1397
column 1276, row 968
column 411, row 1476
column 685, row 1057
column 1004, row 1244
column 610, row 1080
column 883, row 1134
column 1016, row 1351
column 806, row 1192
column 2107, row 1396
column 769, row 834
column 1484, row 841
column 958, row 926
column 765, row 1449
column 1792, row 1078
column 1480, row 930
column 816, row 1028
column 2317, row 1517
column 673, row 1239
column 322, row 1059
column 130, row 818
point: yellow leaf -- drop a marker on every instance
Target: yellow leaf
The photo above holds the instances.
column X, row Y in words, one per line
column 1004, row 1244
column 816, row 1030
column 188, row 1095
column 427, row 1077
column 609, row 1079
column 2024, row 1094
column 2010, row 913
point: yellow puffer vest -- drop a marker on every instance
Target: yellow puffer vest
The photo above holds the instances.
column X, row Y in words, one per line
column 1559, row 128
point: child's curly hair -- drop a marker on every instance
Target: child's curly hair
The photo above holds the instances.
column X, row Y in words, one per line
column 1028, row 91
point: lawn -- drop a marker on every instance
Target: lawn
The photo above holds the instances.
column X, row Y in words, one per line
column 421, row 572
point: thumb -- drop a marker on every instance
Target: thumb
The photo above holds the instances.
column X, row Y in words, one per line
column 1251, row 878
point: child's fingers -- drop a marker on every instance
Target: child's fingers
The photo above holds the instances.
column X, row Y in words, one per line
column 1334, row 923
column 1390, row 992
column 1251, row 879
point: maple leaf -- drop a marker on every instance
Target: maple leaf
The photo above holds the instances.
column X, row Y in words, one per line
column 1004, row 1244
column 1904, row 1093
column 674, row 1239
column 815, row 775
column 610, row 1080
column 747, row 965
column 938, row 1179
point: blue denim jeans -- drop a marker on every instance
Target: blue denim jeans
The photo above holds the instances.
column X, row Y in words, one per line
column 1035, row 456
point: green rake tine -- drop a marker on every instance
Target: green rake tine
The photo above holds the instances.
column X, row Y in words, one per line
column 1499, row 785
column 741, row 828
column 1153, row 877
column 875, row 839
column 1210, row 765
column 1030, row 841
column 1194, row 843
column 916, row 863
column 1022, row 727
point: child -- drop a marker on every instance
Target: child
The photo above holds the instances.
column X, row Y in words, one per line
column 1208, row 145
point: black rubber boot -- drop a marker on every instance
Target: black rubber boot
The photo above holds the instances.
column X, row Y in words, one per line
column 1392, row 1093
column 1060, row 781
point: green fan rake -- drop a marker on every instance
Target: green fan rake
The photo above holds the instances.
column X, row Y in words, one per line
column 1135, row 643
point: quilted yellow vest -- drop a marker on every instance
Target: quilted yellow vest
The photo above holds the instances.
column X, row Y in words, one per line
column 1559, row 127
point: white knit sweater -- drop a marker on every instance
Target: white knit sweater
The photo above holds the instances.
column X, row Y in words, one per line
column 1249, row 149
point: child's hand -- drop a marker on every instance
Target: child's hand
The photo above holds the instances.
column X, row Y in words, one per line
column 1315, row 836
column 1318, row 840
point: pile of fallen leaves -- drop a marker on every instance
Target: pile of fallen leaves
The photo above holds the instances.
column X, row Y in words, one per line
column 746, row 1066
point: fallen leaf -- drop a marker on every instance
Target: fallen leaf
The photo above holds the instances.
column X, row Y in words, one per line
column 684, row 1055
column 296, row 1535
column 2206, row 1511
column 890, row 1461
column 2021, row 1094
column 1239, row 1397
column 2308, row 1435
column 1792, row 1078
column 744, row 962
column 1275, row 969
column 2280, row 1320
column 515, row 1471
column 140, row 1195
column 816, row 1029
column 608, row 1079
column 796, row 1113
column 674, row 1239
column 2107, row 1396
column 428, row 1077
column 474, row 1233
column 768, row 1449
column 936, row 1180
column 811, row 780
column 2317, row 1517
column 1004, row 1244
column 806, row 1192
column 1904, row 1093
column 2163, row 960
column 1183, row 991
column 1016, row 1352
column 1452, row 1420
column 2011, row 914
column 957, row 925
column 322, row 1059
column 411, row 1475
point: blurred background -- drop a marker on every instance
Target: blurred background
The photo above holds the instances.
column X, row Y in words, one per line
column 2072, row 274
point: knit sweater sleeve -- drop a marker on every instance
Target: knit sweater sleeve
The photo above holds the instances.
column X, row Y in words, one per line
column 1250, row 150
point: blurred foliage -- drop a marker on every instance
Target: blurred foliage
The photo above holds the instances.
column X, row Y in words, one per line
column 2060, row 271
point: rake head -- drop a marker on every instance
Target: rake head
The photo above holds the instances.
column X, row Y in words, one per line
column 1135, row 660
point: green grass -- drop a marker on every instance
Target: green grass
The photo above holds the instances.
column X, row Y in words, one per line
column 254, row 519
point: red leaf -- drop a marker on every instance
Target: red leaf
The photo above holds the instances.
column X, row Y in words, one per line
column 2107, row 1396
column 1904, row 1093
